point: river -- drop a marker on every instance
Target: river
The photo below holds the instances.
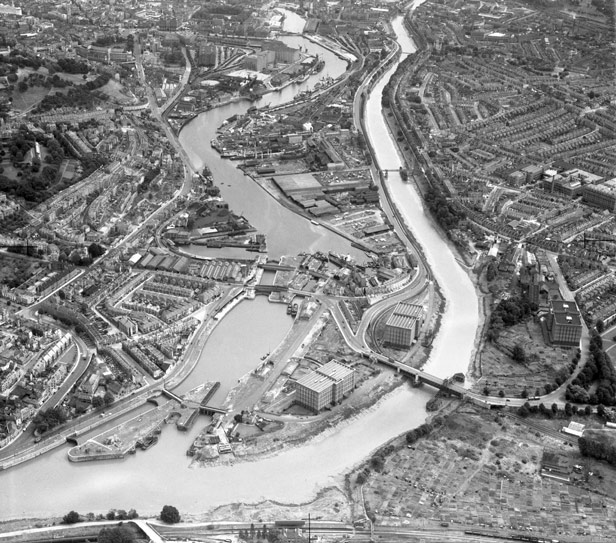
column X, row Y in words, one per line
column 453, row 346
column 243, row 194
column 50, row 485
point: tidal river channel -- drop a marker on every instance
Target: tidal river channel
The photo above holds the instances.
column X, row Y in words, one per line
column 50, row 485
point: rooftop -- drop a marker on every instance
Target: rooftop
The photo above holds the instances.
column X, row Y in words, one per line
column 335, row 370
column 405, row 315
column 564, row 306
column 325, row 376
column 315, row 381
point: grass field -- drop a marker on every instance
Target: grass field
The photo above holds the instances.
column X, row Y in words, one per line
column 115, row 91
column 23, row 101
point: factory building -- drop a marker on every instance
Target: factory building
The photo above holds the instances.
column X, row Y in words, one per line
column 564, row 323
column 602, row 196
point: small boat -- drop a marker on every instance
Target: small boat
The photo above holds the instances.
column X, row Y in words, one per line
column 314, row 222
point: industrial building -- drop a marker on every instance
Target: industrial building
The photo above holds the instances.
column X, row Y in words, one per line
column 603, row 196
column 564, row 323
column 206, row 55
column 325, row 386
column 403, row 325
column 259, row 61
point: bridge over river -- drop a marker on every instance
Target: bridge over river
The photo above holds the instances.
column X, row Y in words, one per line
column 448, row 385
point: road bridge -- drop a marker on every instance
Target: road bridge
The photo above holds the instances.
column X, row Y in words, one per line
column 171, row 395
column 420, row 376
column 267, row 289
column 149, row 531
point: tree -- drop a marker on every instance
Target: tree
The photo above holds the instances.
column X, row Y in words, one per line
column 601, row 410
column 523, row 411
column 108, row 398
column 95, row 250
column 115, row 534
column 170, row 514
column 75, row 258
column 501, row 393
column 554, row 408
column 518, row 354
column 362, row 477
column 110, row 515
column 97, row 403
column 71, row 517
column 600, row 326
column 377, row 463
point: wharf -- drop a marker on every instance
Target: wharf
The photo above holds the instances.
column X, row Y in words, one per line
column 142, row 431
column 115, row 443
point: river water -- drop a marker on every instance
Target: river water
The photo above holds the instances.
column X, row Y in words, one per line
column 293, row 22
column 243, row 194
column 50, row 485
column 454, row 343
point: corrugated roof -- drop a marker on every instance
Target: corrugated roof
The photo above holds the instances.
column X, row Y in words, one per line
column 335, row 370
column 410, row 310
column 315, row 381
column 325, row 376
column 405, row 315
column 401, row 321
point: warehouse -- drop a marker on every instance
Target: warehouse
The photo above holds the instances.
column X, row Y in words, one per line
column 325, row 386
column 403, row 325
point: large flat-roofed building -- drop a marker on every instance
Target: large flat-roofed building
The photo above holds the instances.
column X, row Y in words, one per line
column 325, row 386
column 300, row 183
column 403, row 325
column 603, row 196
column 283, row 52
column 564, row 323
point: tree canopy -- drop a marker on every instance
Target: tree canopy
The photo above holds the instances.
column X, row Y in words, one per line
column 71, row 517
column 116, row 534
column 170, row 514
